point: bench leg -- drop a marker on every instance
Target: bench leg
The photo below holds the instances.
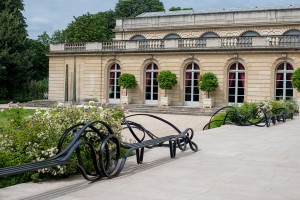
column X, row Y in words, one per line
column 139, row 155
column 172, row 145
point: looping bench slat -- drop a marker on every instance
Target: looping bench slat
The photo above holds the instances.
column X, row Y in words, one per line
column 106, row 158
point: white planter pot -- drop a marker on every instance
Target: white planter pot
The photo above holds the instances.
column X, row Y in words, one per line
column 207, row 102
column 125, row 99
column 165, row 101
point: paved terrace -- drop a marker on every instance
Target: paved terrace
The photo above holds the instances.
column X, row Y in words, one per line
column 234, row 163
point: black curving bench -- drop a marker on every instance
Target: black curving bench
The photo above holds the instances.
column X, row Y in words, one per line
column 105, row 163
column 280, row 115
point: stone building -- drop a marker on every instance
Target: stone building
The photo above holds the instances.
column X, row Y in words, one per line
column 252, row 51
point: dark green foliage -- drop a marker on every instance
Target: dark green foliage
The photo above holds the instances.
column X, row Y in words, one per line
column 208, row 82
column 91, row 27
column 38, row 89
column 296, row 79
column 133, row 8
column 58, row 37
column 166, row 79
column 127, row 81
column 179, row 8
column 14, row 62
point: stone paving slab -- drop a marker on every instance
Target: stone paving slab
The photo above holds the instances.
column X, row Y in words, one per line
column 234, row 163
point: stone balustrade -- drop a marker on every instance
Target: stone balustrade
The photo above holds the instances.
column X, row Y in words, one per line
column 180, row 44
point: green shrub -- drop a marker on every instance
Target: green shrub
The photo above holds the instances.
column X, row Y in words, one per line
column 248, row 110
column 208, row 82
column 166, row 79
column 127, row 81
column 291, row 106
column 35, row 138
column 296, row 79
column 38, row 89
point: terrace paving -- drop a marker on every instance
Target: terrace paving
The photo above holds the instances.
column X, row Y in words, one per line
column 234, row 163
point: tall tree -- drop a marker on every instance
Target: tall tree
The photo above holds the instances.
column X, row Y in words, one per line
column 133, row 8
column 58, row 37
column 14, row 62
column 91, row 27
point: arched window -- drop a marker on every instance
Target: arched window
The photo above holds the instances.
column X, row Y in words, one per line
column 250, row 34
column 151, row 84
column 191, row 90
column 209, row 35
column 113, row 85
column 138, row 37
column 293, row 32
column 283, row 83
column 236, row 83
column 172, row 36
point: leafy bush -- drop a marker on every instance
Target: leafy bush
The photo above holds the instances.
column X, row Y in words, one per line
column 35, row 138
column 208, row 82
column 38, row 89
column 127, row 81
column 296, row 79
column 166, row 79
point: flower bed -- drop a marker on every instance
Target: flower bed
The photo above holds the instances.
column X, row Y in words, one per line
column 34, row 138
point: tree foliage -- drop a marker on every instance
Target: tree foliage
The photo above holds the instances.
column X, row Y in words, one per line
column 166, row 79
column 14, row 57
column 133, row 8
column 296, row 79
column 208, row 82
column 91, row 27
column 127, row 81
column 179, row 8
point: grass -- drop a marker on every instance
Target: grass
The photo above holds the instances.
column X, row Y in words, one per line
column 7, row 114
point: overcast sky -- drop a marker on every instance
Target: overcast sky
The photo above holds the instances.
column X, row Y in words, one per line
column 51, row 15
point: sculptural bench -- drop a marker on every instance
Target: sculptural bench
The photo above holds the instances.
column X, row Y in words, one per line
column 280, row 114
column 106, row 164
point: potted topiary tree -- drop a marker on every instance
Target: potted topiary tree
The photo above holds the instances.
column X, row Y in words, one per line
column 166, row 80
column 296, row 82
column 127, row 81
column 208, row 82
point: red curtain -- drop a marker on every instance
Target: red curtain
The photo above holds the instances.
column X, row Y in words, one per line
column 187, row 77
column 231, row 77
column 148, row 74
column 112, row 76
column 278, row 78
column 243, row 79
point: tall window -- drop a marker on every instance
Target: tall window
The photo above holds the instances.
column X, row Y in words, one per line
column 113, row 85
column 236, row 83
column 191, row 90
column 151, row 84
column 284, row 89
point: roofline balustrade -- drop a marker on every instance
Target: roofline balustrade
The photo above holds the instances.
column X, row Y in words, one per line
column 183, row 44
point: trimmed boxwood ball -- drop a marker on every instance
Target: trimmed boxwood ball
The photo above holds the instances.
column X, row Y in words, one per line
column 296, row 79
column 208, row 82
column 166, row 79
column 127, row 81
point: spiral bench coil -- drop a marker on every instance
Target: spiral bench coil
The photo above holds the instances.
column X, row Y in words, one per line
column 106, row 154
column 232, row 116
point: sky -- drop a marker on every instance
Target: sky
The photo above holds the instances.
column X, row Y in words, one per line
column 51, row 15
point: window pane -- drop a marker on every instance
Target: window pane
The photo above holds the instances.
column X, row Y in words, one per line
column 289, row 92
column 289, row 84
column 118, row 95
column 231, row 99
column 155, row 89
column 188, row 97
column 188, row 90
column 279, row 84
column 196, row 97
column 148, row 96
column 279, row 92
column 240, row 99
column 240, row 84
column 279, row 76
column 289, row 67
column 241, row 67
column 233, row 67
column 196, row 90
column 280, row 67
column 231, row 83
column 289, row 76
column 241, row 91
column 231, row 91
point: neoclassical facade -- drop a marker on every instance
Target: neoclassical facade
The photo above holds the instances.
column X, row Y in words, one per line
column 253, row 52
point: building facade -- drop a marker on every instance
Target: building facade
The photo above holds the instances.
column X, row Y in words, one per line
column 253, row 52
